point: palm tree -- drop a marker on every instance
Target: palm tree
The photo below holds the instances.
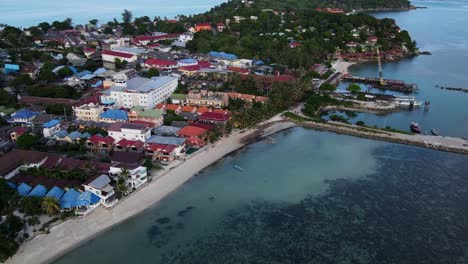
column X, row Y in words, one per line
column 121, row 187
column 124, row 174
column 50, row 205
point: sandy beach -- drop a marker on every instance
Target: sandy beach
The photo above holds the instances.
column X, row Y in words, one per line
column 342, row 66
column 70, row 234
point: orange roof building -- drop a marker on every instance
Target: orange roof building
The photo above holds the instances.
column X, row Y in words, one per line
column 189, row 109
column 202, row 110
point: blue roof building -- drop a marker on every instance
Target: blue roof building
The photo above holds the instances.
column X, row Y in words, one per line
column 11, row 68
column 61, row 134
column 68, row 200
column 175, row 141
column 76, row 135
column 114, row 115
column 55, row 192
column 222, row 55
column 51, row 123
column 23, row 115
column 83, row 73
column 23, row 189
column 38, row 191
column 87, row 199
column 99, row 71
column 97, row 84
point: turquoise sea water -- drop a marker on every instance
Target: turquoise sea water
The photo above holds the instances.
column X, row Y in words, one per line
column 441, row 29
column 313, row 197
column 31, row 12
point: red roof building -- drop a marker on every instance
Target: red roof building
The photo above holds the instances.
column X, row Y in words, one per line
column 160, row 64
column 238, row 70
column 193, row 134
column 214, row 118
column 202, row 26
column 111, row 55
column 188, row 109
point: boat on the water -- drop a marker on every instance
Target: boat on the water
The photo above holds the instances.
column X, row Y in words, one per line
column 237, row 167
column 415, row 128
column 407, row 101
column 434, row 132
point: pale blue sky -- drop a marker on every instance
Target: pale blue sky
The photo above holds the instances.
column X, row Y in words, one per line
column 31, row 12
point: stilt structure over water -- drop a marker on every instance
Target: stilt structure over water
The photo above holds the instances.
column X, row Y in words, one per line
column 381, row 83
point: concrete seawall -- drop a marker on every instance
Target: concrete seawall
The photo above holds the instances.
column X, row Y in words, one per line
column 448, row 144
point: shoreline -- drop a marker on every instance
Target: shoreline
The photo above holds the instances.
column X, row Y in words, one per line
column 68, row 235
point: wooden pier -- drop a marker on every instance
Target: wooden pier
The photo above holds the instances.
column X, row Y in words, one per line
column 455, row 89
column 384, row 84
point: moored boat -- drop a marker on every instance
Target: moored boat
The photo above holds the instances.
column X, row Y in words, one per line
column 415, row 128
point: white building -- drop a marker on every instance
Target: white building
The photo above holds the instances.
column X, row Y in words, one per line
column 186, row 37
column 51, row 128
column 140, row 91
column 101, row 187
column 129, row 131
column 88, row 112
column 137, row 175
column 111, row 56
column 125, row 75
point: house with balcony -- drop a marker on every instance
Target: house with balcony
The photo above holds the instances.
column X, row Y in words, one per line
column 129, row 131
column 161, row 152
column 98, row 143
column 51, row 128
column 129, row 145
column 139, row 113
column 88, row 112
column 100, row 186
column 137, row 175
column 113, row 116
column 207, row 98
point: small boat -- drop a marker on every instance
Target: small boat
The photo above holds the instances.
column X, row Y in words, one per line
column 434, row 132
column 407, row 101
column 415, row 128
column 237, row 167
column 269, row 140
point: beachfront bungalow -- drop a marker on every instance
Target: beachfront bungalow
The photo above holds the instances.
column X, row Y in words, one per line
column 56, row 193
column 23, row 189
column 178, row 143
column 38, row 191
column 161, row 152
column 68, row 200
column 137, row 175
column 194, row 135
column 100, row 186
column 86, row 202
column 214, row 118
